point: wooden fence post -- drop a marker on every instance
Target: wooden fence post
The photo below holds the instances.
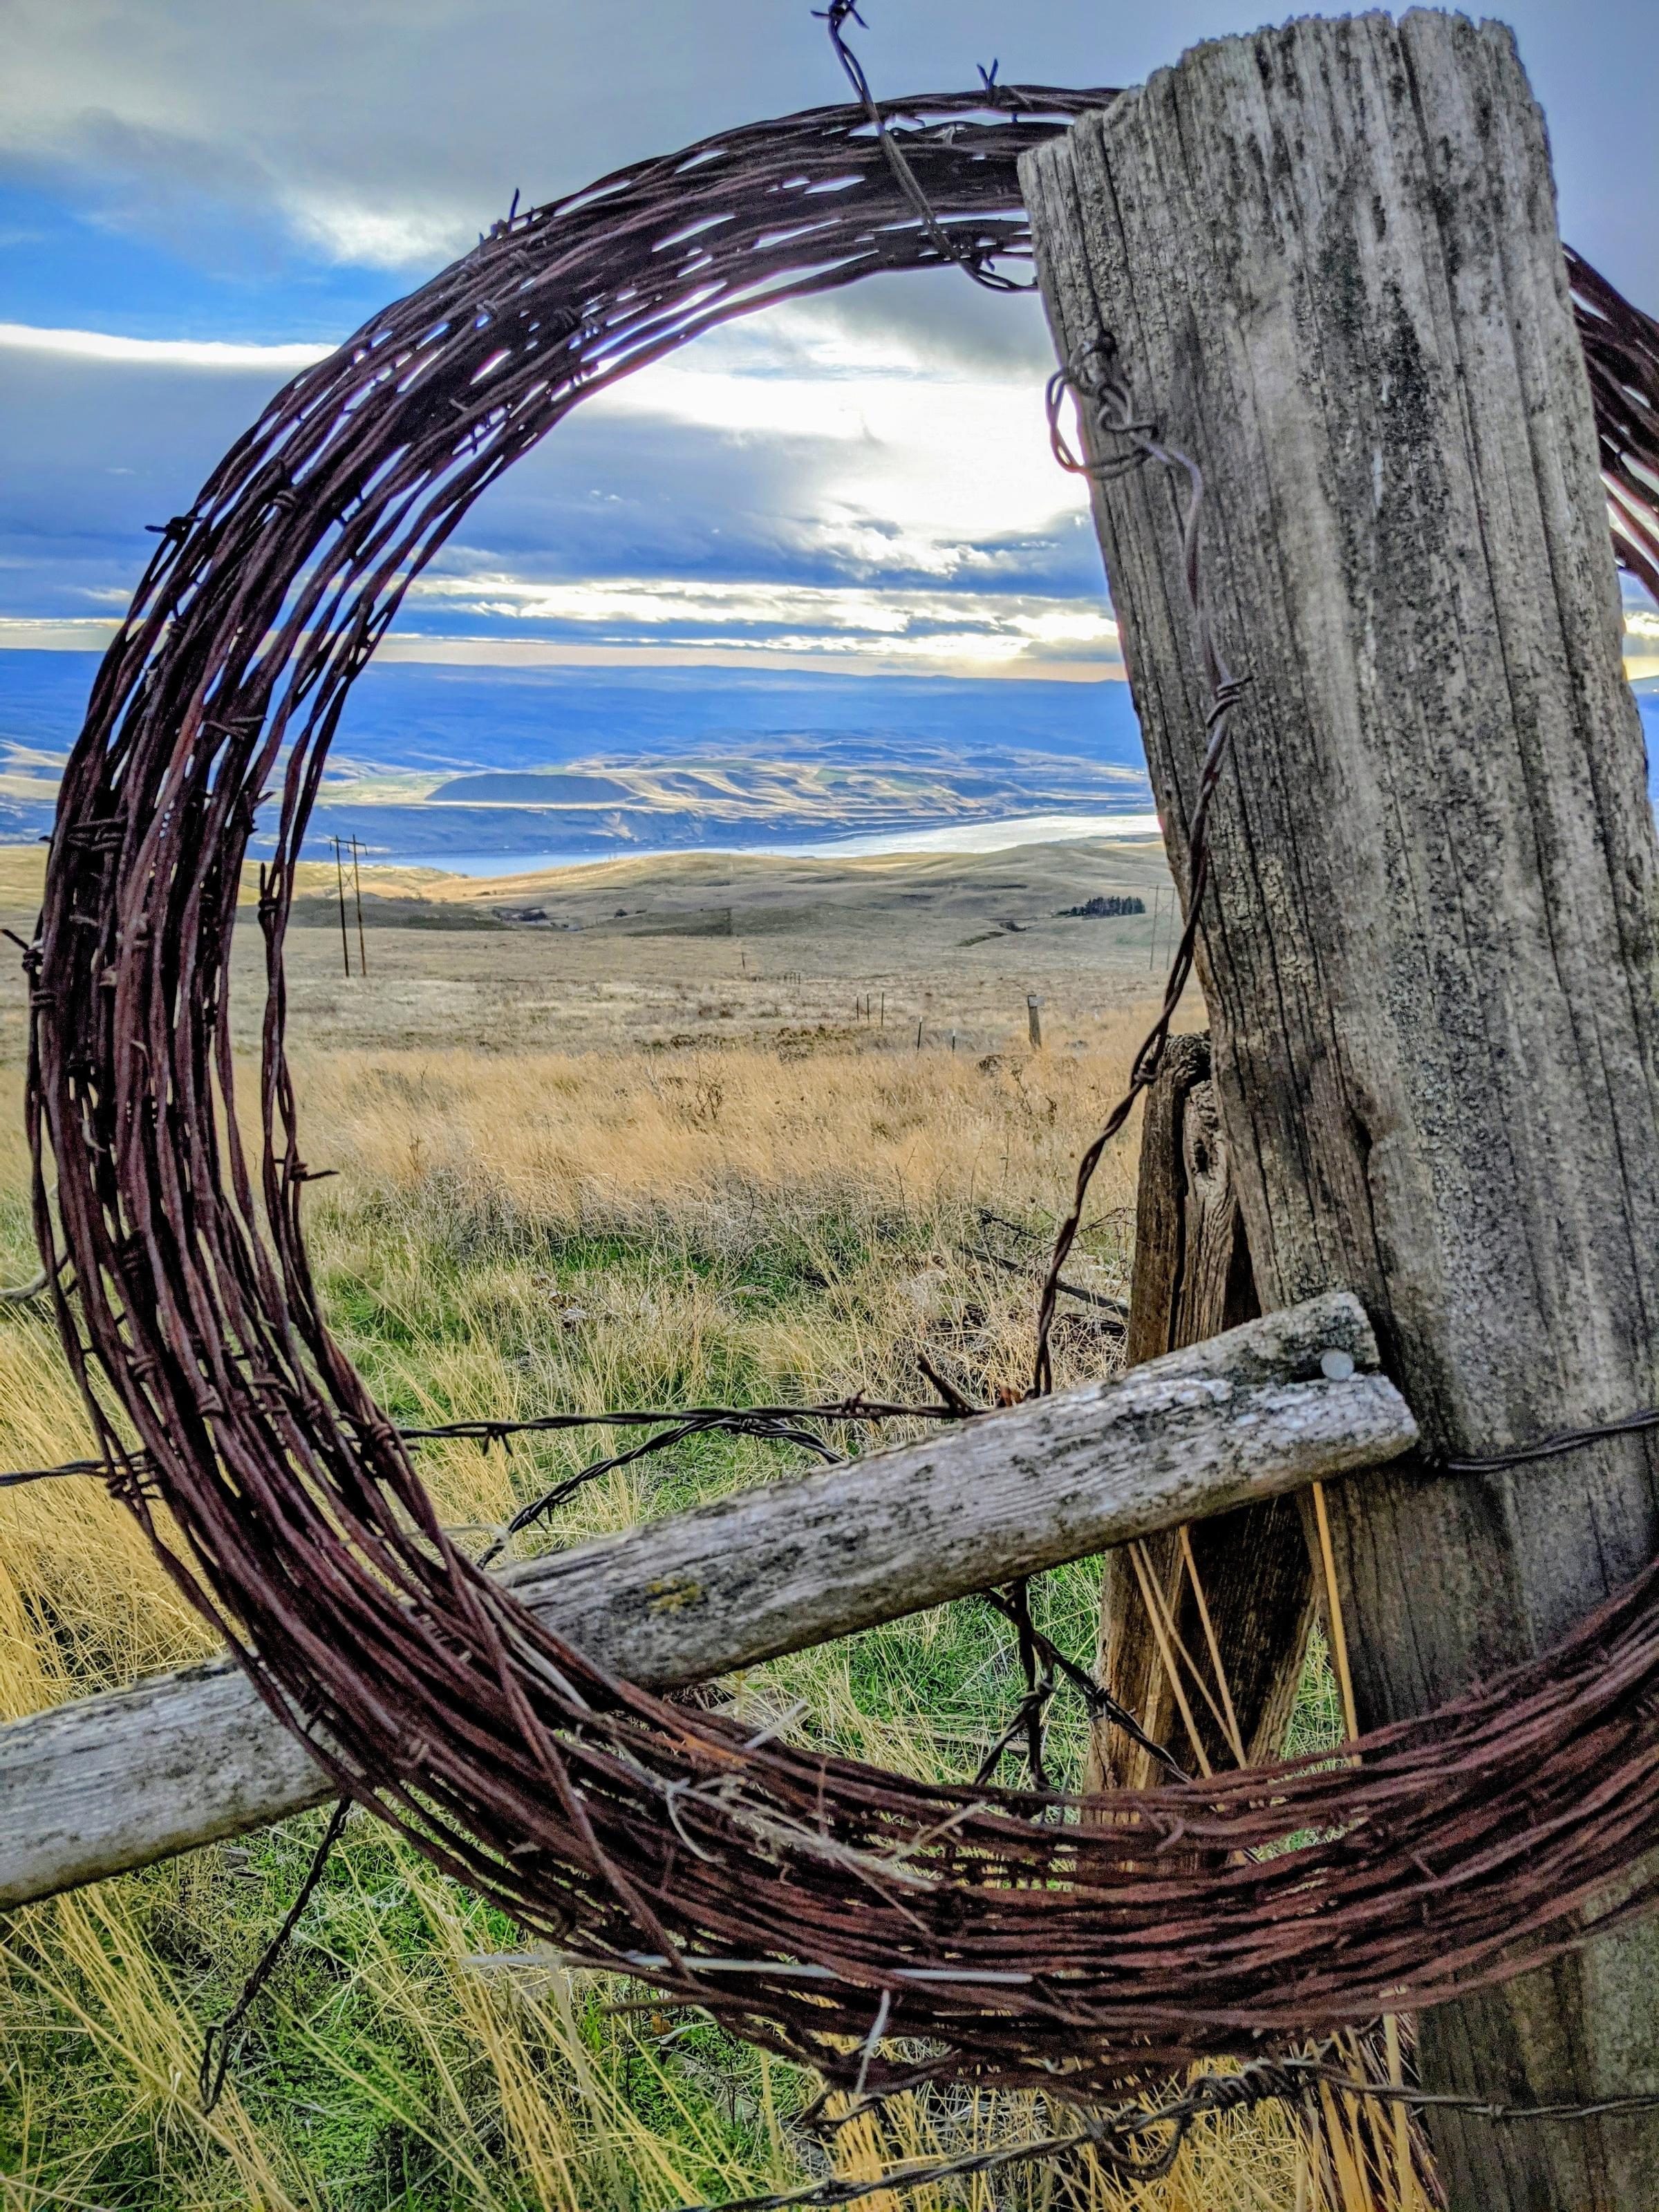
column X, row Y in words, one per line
column 1328, row 254
column 1193, row 1280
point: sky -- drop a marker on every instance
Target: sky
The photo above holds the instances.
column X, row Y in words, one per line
column 198, row 196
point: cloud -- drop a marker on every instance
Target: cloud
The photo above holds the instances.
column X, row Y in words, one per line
column 906, row 461
column 393, row 131
column 656, row 601
column 970, row 655
column 975, row 653
column 804, row 450
column 37, row 634
column 367, row 235
column 279, row 361
column 887, row 626
column 811, row 488
column 101, row 436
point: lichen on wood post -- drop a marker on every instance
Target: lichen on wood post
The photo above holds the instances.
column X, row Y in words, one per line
column 1329, row 257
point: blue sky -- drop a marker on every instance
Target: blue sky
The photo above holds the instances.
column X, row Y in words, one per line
column 197, row 194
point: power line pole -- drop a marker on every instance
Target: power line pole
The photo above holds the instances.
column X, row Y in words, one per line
column 339, row 883
column 357, row 893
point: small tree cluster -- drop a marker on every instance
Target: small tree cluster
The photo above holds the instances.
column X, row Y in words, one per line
column 1105, row 904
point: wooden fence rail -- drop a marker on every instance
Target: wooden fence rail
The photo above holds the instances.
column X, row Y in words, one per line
column 107, row 1784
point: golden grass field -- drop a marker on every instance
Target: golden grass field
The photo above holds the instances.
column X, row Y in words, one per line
column 769, row 1208
column 954, row 941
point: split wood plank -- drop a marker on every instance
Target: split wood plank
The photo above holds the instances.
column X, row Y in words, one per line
column 1329, row 256
column 95, row 1788
column 1192, row 1280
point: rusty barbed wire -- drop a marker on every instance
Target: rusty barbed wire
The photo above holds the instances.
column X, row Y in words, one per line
column 101, row 1470
column 991, row 1936
column 973, row 261
column 680, row 1432
column 222, row 2039
column 1094, row 377
column 1135, row 2143
column 766, row 1423
column 1117, row 2138
column 1621, row 355
column 488, row 1429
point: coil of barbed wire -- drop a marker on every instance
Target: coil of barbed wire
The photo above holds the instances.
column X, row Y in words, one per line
column 886, row 1930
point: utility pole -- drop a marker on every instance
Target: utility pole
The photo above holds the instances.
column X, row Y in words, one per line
column 339, row 884
column 1326, row 257
column 357, row 893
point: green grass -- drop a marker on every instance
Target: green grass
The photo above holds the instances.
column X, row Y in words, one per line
column 388, row 2063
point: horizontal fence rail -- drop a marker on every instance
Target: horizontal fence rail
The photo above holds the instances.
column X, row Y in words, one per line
column 108, row 1783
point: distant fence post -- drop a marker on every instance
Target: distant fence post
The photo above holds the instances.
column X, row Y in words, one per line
column 1034, row 1020
column 1327, row 256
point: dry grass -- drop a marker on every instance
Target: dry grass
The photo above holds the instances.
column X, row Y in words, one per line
column 510, row 1234
column 952, row 942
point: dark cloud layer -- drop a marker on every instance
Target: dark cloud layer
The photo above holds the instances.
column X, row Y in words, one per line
column 90, row 452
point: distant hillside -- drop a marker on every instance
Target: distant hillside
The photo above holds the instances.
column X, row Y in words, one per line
column 432, row 760
column 734, row 799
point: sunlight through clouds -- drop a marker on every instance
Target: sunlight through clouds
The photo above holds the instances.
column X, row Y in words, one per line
column 915, row 480
column 903, row 461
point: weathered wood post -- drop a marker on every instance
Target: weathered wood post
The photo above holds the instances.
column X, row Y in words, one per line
column 1192, row 1280
column 1329, row 257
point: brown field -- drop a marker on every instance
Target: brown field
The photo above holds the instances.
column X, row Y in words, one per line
column 698, row 948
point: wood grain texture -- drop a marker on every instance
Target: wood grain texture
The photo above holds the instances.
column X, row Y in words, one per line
column 1329, row 255
column 1192, row 1280
column 1193, row 1277
column 92, row 1788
